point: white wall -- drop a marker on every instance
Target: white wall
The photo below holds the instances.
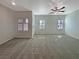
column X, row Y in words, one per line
column 72, row 24
column 7, row 24
column 50, row 24
column 33, row 24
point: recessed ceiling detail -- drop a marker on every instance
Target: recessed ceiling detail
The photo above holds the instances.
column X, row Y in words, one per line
column 42, row 6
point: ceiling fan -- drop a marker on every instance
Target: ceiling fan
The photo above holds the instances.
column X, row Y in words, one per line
column 56, row 9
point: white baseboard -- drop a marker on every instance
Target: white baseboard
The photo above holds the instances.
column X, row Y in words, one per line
column 73, row 36
column 5, row 41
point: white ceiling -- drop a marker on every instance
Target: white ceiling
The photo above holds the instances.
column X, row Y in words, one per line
column 42, row 6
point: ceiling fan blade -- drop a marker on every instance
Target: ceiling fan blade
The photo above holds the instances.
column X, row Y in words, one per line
column 53, row 10
column 61, row 8
column 61, row 11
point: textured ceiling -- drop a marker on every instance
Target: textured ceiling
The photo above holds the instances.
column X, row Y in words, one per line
column 42, row 6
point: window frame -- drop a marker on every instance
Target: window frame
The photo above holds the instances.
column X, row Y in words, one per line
column 60, row 24
column 42, row 24
column 23, row 23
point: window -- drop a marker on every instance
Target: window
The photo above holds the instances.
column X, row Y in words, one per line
column 20, row 24
column 23, row 25
column 60, row 24
column 42, row 24
column 19, row 27
column 26, row 25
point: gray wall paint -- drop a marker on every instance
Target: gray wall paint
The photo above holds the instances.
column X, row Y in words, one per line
column 50, row 24
column 7, row 24
column 72, row 24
